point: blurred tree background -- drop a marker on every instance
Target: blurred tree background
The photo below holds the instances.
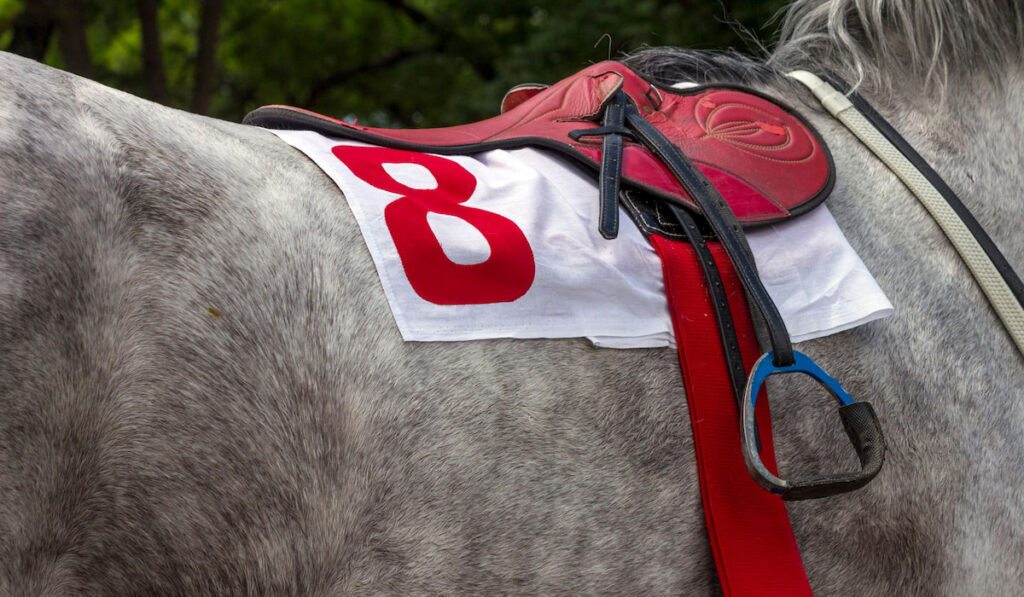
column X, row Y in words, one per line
column 389, row 62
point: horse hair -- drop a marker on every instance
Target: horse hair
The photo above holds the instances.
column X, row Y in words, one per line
column 933, row 44
column 667, row 65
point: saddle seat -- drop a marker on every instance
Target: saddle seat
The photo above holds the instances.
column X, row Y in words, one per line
column 764, row 159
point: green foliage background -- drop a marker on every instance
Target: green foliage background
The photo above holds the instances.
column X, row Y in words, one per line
column 392, row 62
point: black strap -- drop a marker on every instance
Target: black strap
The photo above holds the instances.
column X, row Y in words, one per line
column 726, row 328
column 722, row 221
column 611, row 168
column 611, row 162
column 720, row 303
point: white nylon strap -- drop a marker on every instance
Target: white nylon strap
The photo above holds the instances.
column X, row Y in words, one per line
column 991, row 282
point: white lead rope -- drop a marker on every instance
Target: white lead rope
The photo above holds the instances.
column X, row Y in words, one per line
column 991, row 282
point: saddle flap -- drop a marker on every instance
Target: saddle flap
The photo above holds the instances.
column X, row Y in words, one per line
column 766, row 161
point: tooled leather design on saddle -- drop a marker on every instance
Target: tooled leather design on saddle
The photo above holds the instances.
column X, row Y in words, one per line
column 766, row 161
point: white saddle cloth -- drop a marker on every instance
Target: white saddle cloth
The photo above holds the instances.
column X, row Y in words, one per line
column 609, row 291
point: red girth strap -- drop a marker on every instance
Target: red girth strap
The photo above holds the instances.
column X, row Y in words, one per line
column 754, row 549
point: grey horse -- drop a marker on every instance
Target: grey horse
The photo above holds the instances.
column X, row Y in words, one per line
column 202, row 390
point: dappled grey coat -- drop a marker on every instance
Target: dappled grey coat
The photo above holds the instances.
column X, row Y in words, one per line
column 202, row 390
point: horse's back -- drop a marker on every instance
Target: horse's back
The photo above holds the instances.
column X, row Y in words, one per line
column 203, row 389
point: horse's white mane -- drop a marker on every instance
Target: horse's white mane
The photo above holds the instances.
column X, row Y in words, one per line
column 933, row 43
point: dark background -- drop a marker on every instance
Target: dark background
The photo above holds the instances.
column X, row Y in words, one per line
column 388, row 62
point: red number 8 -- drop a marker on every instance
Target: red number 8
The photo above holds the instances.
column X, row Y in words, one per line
column 506, row 274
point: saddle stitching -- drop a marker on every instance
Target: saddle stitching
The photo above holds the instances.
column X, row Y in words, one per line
column 740, row 145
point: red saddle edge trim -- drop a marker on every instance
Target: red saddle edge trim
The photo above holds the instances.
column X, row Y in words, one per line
column 753, row 544
column 752, row 142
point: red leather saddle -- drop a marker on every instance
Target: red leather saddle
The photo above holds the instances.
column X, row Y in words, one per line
column 737, row 159
column 766, row 161
column 731, row 155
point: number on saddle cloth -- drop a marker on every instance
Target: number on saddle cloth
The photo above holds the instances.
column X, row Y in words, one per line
column 731, row 155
